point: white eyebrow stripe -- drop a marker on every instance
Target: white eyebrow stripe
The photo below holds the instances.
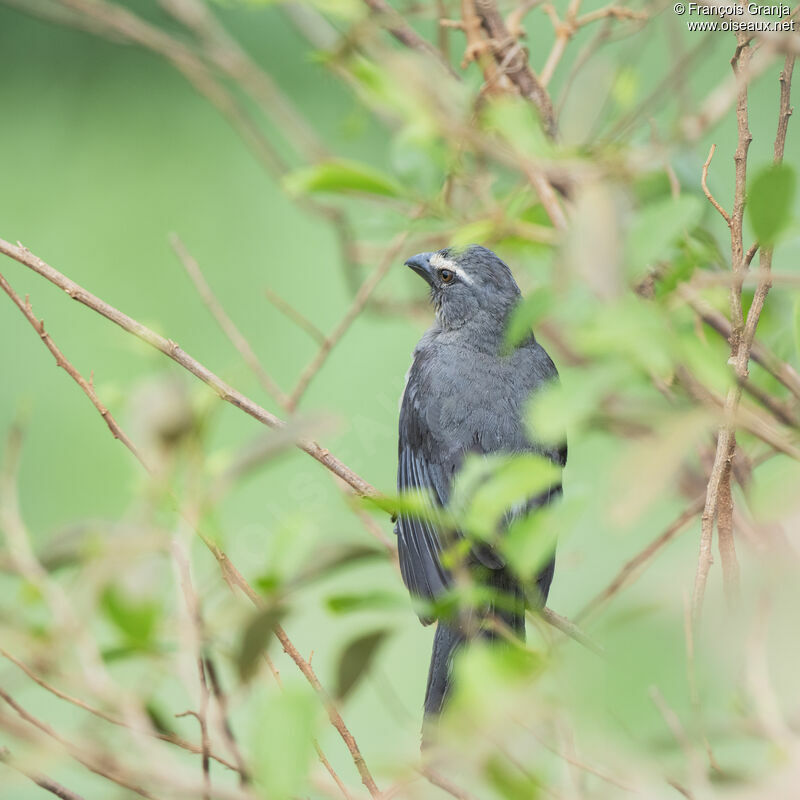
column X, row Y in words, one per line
column 440, row 262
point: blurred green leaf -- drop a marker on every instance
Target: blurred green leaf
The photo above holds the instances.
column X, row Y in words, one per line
column 512, row 482
column 368, row 601
column 328, row 561
column 527, row 313
column 136, row 619
column 657, row 226
column 356, row 660
column 282, row 744
column 770, row 201
column 510, row 782
column 256, row 639
column 341, row 177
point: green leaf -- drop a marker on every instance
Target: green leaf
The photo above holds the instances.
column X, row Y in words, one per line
column 368, row 601
column 326, row 562
column 510, row 783
column 282, row 744
column 527, row 313
column 256, row 638
column 341, row 177
column 356, row 660
column 770, row 201
column 657, row 226
column 136, row 619
column 488, row 486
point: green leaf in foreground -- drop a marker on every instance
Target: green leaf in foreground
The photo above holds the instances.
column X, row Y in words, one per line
column 342, row 177
column 356, row 660
column 527, row 313
column 368, row 601
column 282, row 745
column 657, row 226
column 136, row 619
column 256, row 638
column 769, row 202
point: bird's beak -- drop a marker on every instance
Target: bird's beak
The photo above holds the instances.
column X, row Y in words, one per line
column 421, row 264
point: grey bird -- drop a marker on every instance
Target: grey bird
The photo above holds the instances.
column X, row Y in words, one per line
column 465, row 393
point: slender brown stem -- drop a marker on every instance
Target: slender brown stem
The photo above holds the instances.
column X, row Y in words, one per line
column 174, row 351
column 509, row 53
column 228, row 326
column 164, row 737
column 46, row 783
column 229, row 571
column 704, row 182
column 356, row 307
column 638, row 561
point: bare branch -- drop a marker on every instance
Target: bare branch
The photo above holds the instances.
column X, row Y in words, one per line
column 164, row 737
column 46, row 783
column 174, row 351
column 405, row 34
column 293, row 314
column 640, row 559
column 228, row 326
column 230, row 573
column 742, row 332
column 356, row 307
column 61, row 361
column 725, row 215
column 513, row 58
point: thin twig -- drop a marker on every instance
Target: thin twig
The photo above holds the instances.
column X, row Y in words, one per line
column 38, row 778
column 742, row 332
column 61, row 361
column 171, row 738
column 227, row 730
column 293, row 314
column 569, row 628
column 228, row 326
column 725, row 215
column 356, row 307
column 405, row 34
column 104, row 768
column 508, row 52
column 641, row 558
column 780, row 370
column 174, row 351
column 229, row 571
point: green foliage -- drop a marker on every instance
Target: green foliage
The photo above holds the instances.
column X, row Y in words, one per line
column 657, row 227
column 282, row 743
column 365, row 601
column 527, row 314
column 342, row 177
column 136, row 619
column 257, row 636
column 356, row 660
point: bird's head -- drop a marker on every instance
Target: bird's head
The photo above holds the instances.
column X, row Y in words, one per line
column 471, row 284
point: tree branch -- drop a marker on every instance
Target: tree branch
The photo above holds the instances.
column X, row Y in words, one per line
column 174, row 351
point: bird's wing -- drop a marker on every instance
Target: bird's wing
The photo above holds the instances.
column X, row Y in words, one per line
column 420, row 469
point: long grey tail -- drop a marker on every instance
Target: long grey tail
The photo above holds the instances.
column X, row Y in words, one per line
column 450, row 637
column 446, row 642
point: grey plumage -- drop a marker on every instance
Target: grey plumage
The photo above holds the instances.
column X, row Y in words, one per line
column 465, row 394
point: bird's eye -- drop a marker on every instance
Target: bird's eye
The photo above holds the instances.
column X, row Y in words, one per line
column 447, row 276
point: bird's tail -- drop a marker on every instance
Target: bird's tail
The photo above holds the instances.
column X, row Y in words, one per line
column 447, row 640
column 508, row 608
